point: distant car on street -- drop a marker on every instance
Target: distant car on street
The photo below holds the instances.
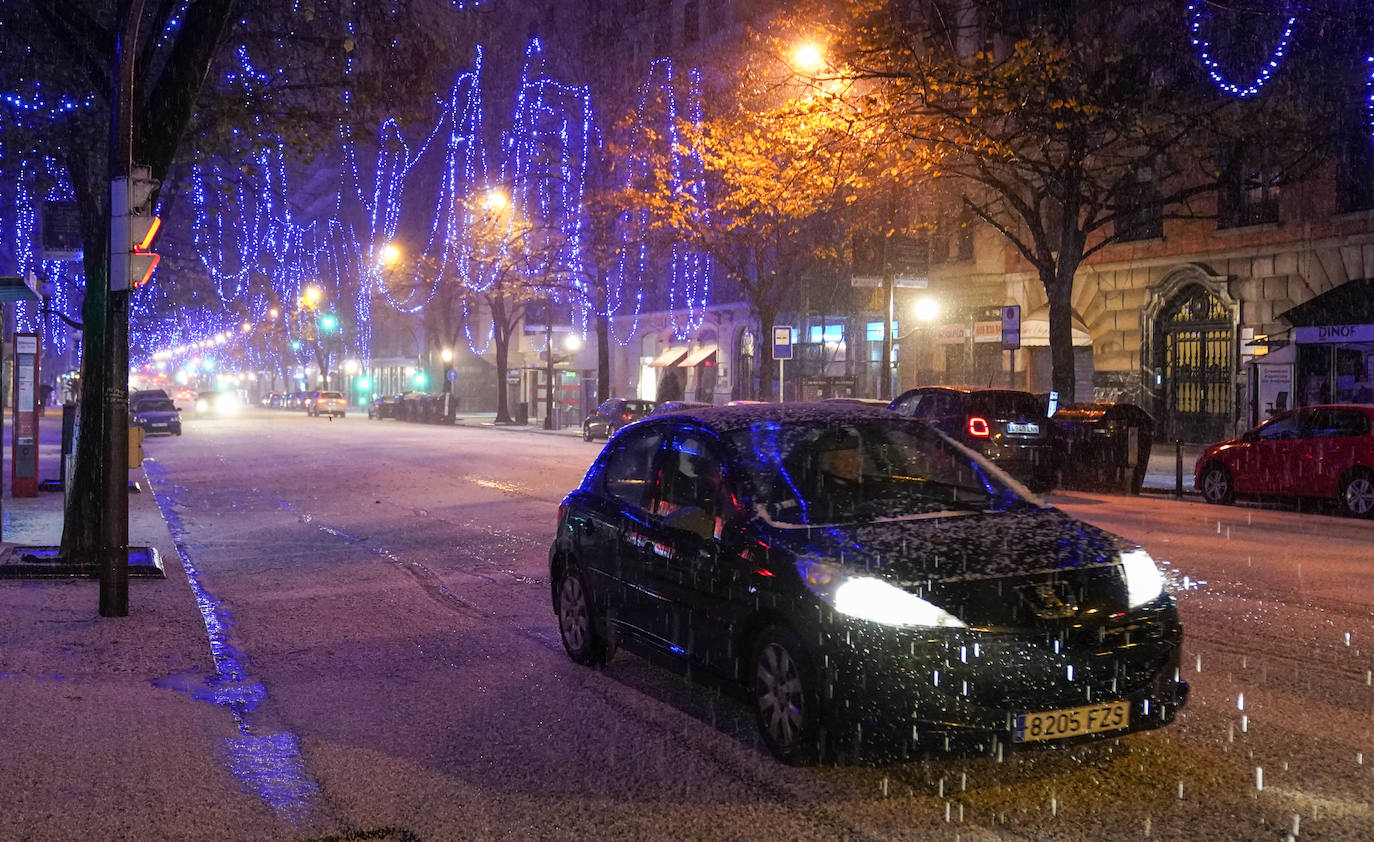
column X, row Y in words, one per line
column 868, row 584
column 326, row 403
column 156, row 415
column 217, row 403
column 612, row 414
column 1324, row 452
column 382, row 406
column 1007, row 426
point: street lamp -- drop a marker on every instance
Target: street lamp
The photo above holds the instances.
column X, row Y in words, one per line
column 388, row 255
column 808, row 58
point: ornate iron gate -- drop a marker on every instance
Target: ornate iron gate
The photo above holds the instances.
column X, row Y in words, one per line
column 1198, row 361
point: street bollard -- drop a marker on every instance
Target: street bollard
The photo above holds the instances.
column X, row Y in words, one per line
column 1178, row 468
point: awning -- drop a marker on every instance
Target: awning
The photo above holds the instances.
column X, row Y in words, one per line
column 697, row 356
column 1035, row 331
column 669, row 356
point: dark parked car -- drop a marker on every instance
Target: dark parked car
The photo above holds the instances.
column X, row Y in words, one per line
column 613, row 414
column 868, row 584
column 1007, row 426
column 156, row 415
column 676, row 406
column 382, row 406
column 1318, row 451
column 326, row 403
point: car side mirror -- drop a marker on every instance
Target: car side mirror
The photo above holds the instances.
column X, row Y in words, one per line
column 1249, row 437
column 692, row 520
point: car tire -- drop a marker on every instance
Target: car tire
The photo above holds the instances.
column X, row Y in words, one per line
column 586, row 432
column 577, row 622
column 786, row 704
column 1217, row 486
column 1357, row 493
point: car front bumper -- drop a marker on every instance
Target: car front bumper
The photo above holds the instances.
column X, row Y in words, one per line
column 895, row 692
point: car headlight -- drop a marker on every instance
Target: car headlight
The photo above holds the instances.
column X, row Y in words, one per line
column 1144, row 582
column 872, row 599
column 202, row 405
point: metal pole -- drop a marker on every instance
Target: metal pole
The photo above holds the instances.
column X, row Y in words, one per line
column 548, row 349
column 1178, row 468
column 114, row 531
column 780, row 397
column 889, row 306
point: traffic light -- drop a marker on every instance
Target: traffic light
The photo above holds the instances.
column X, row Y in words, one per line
column 133, row 227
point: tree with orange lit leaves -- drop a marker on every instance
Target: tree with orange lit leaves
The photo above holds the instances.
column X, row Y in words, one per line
column 1060, row 125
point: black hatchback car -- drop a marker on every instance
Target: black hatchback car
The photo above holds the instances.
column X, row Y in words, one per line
column 869, row 585
column 1007, row 426
column 612, row 414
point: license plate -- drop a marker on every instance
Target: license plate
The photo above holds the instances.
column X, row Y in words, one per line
column 1023, row 429
column 1072, row 722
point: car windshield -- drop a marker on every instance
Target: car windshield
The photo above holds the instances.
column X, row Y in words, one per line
column 331, row 395
column 157, row 405
column 864, row 470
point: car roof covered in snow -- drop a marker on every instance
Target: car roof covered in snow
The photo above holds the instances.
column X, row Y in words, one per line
column 725, row 419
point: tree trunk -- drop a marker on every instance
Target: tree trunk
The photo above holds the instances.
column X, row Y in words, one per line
column 82, row 518
column 603, row 355
column 501, row 335
column 1060, row 292
column 764, row 354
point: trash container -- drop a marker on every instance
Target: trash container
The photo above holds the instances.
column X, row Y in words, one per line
column 1104, row 445
column 522, row 413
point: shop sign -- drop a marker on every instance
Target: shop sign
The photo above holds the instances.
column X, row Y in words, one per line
column 988, row 331
column 1334, row 333
column 951, row 334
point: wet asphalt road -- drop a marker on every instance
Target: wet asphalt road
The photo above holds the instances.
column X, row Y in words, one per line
column 382, row 589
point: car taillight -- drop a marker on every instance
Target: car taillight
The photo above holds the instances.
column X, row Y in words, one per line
column 626, row 416
column 319, row 400
column 978, row 427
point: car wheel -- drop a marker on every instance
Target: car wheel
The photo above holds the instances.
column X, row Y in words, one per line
column 577, row 623
column 1217, row 486
column 1357, row 493
column 785, row 699
column 586, row 432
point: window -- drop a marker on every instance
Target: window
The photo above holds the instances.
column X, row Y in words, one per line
column 691, row 21
column 628, row 468
column 1282, row 428
column 1336, row 423
column 663, row 28
column 1139, row 215
column 1355, row 160
column 1249, row 189
column 833, row 333
column 690, row 478
column 873, row 331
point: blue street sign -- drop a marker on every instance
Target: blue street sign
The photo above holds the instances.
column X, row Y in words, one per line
column 1011, row 327
column 782, row 342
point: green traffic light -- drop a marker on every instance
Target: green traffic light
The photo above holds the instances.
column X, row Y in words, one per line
column 329, row 322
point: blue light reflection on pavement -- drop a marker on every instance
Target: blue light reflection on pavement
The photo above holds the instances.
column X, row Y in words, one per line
column 270, row 765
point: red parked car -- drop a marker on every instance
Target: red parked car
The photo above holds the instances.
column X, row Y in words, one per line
column 1317, row 451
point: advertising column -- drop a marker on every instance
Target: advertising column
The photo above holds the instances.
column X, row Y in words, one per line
column 24, row 430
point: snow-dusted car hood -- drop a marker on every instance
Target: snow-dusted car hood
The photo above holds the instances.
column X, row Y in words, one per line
column 957, row 545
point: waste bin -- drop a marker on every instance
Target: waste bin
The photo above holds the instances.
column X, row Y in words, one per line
column 1104, row 445
column 522, row 413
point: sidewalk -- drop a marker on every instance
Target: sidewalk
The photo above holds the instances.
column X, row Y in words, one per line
column 99, row 742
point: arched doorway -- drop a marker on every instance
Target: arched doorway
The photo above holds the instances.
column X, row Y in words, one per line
column 1194, row 357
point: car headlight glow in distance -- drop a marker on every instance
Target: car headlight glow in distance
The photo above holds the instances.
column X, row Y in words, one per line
column 1144, row 582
